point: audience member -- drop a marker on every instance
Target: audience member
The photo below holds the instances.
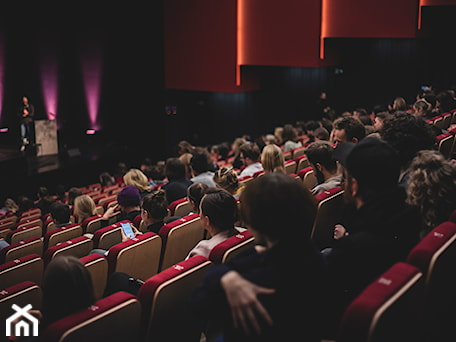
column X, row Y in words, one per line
column 44, row 200
column 348, row 129
column 408, row 134
column 423, row 109
column 106, row 179
column 250, row 155
column 10, row 207
column 177, row 181
column 226, row 178
column 199, row 164
column 290, row 138
column 321, row 133
column 154, row 210
column 379, row 119
column 127, row 208
column 218, row 213
column 272, row 159
column 60, row 214
column 195, row 193
column 119, row 171
column 432, row 187
column 25, row 203
column 270, row 206
column 321, row 157
column 235, row 153
column 73, row 192
column 84, row 207
column 399, row 104
column 378, row 229
column 138, row 179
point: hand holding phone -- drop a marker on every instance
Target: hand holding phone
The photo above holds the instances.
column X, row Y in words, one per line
column 128, row 230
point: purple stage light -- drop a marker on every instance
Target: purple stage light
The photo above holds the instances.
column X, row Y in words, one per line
column 91, row 65
column 90, row 132
column 49, row 79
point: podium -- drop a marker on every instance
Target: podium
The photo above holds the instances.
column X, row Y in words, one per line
column 46, row 137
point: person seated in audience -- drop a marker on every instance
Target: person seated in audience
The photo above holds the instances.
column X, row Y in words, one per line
column 423, row 109
column 127, row 208
column 321, row 133
column 199, row 165
column 379, row 119
column 227, row 178
column 120, row 170
column 321, row 157
column 177, row 181
column 195, row 193
column 44, row 200
column 10, row 207
column 60, row 213
column 218, row 213
column 106, row 179
column 445, row 101
column 432, row 187
column 154, row 210
column 67, row 288
column 73, row 192
column 399, row 104
column 138, row 179
column 378, row 229
column 290, row 138
column 272, row 159
column 25, row 203
column 235, row 152
column 84, row 207
column 250, row 156
column 408, row 134
column 255, row 296
column 348, row 129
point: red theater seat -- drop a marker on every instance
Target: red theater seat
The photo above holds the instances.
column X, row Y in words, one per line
column 388, row 309
column 231, row 247
column 164, row 298
column 107, row 237
column 308, row 177
column 113, row 318
column 180, row 207
column 62, row 234
column 29, row 267
column 77, row 247
column 21, row 294
column 22, row 248
column 97, row 265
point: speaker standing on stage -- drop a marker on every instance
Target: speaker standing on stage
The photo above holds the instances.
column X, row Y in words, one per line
column 26, row 113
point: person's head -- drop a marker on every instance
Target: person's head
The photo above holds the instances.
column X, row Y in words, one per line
column 25, row 100
column 408, row 134
column 289, row 133
column 270, row 139
column 154, row 207
column 445, row 101
column 250, row 153
column 371, row 168
column 218, row 210
column 399, row 104
column 273, row 204
column 84, row 207
column 320, row 155
column 43, row 192
column 195, row 192
column 422, row 108
column 379, row 119
column 129, row 198
column 227, row 178
column 106, row 179
column 11, row 205
column 174, row 169
column 348, row 129
column 25, row 203
column 199, row 163
column 60, row 212
column 321, row 133
column 136, row 178
column 73, row 192
column 236, row 145
column 184, row 147
column 272, row 159
column 67, row 288
column 432, row 186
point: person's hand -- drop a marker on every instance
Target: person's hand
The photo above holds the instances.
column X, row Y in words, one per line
column 339, row 231
column 136, row 231
column 110, row 212
column 242, row 297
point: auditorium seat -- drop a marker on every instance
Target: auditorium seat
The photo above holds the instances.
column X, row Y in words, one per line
column 21, row 294
column 302, row 162
column 308, row 177
column 30, row 214
column 290, row 166
column 180, row 207
column 231, row 247
column 166, row 314
column 445, row 144
column 297, row 152
column 62, row 234
column 104, row 202
column 389, row 309
column 23, row 233
column 139, row 257
column 243, row 181
column 29, row 223
column 113, row 318
column 330, row 209
column 108, row 236
column 97, row 266
column 29, row 267
column 77, row 247
column 178, row 238
column 22, row 248
column 4, row 232
column 91, row 224
column 8, row 222
column 435, row 256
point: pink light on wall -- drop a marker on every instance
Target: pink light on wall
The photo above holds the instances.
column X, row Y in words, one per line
column 91, row 67
column 49, row 80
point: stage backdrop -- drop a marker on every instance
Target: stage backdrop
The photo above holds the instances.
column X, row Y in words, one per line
column 46, row 137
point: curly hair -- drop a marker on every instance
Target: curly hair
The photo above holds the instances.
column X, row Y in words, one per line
column 432, row 187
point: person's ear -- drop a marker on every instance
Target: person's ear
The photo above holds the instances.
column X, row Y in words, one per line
column 206, row 222
column 318, row 166
column 354, row 187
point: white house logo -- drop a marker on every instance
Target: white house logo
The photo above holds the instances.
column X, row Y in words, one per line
column 22, row 326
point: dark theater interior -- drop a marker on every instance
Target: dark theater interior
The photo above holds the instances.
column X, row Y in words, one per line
column 128, row 83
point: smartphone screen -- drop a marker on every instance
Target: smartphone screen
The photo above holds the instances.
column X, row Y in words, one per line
column 128, row 231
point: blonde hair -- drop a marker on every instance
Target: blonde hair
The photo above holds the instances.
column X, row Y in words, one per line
column 226, row 178
column 272, row 159
column 84, row 207
column 137, row 178
column 11, row 205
